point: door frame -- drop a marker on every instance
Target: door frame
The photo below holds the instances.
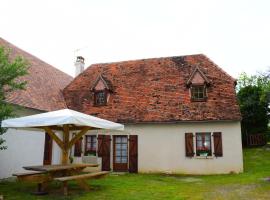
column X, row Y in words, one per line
column 120, row 167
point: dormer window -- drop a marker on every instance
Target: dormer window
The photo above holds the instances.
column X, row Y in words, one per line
column 100, row 98
column 198, row 92
column 102, row 89
column 198, row 83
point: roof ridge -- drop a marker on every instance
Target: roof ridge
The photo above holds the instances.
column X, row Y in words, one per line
column 124, row 61
column 141, row 59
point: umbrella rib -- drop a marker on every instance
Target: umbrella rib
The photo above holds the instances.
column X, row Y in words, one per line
column 54, row 137
column 78, row 136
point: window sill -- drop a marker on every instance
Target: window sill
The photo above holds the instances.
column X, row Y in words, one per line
column 204, row 157
column 99, row 105
column 199, row 100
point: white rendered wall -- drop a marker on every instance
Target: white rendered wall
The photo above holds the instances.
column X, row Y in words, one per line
column 161, row 148
column 24, row 148
column 56, row 150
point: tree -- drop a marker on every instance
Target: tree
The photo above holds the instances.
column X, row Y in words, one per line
column 253, row 93
column 10, row 71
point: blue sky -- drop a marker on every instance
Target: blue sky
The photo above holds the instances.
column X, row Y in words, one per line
column 235, row 34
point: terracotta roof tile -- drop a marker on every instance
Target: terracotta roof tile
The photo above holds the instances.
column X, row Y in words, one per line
column 44, row 83
column 154, row 90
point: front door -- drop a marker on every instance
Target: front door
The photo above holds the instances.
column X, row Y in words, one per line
column 47, row 159
column 120, row 153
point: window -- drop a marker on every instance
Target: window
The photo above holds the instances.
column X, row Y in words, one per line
column 198, row 93
column 204, row 141
column 90, row 144
column 203, row 144
column 100, row 98
column 121, row 148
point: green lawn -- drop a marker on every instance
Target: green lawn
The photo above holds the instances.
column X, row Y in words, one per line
column 248, row 185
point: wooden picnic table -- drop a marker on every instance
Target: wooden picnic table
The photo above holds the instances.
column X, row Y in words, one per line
column 60, row 167
column 46, row 173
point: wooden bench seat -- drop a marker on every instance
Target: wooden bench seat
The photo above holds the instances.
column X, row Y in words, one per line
column 27, row 174
column 37, row 177
column 80, row 179
column 41, row 178
column 81, row 176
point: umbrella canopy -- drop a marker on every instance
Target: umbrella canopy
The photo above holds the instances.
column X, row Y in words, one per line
column 61, row 117
column 65, row 120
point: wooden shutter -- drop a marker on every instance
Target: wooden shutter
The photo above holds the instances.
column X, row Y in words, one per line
column 189, row 144
column 47, row 159
column 133, row 153
column 104, row 151
column 78, row 148
column 218, row 152
column 101, row 140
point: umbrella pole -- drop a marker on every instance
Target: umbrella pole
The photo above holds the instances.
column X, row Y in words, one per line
column 65, row 141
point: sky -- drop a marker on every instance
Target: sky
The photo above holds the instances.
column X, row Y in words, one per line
column 235, row 34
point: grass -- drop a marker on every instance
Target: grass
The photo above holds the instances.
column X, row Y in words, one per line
column 248, row 185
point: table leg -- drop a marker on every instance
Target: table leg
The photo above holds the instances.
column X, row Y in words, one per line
column 41, row 189
column 83, row 184
column 65, row 188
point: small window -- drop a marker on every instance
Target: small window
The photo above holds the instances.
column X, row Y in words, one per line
column 203, row 144
column 198, row 93
column 90, row 145
column 100, row 98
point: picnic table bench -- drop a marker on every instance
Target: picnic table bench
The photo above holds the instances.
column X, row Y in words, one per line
column 41, row 178
column 44, row 174
column 80, row 179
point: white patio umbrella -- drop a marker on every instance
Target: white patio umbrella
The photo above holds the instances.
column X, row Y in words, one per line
column 65, row 120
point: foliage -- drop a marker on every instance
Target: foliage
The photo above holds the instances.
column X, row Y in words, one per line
column 10, row 71
column 247, row 185
column 253, row 109
column 254, row 97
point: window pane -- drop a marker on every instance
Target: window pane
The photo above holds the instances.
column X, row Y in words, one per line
column 118, row 153
column 124, row 139
column 118, row 148
column 94, row 145
column 118, row 140
column 203, row 144
column 197, row 92
column 100, row 97
column 124, row 146
column 199, row 136
column 118, row 159
column 207, row 145
column 199, row 144
column 124, row 153
column 207, row 136
column 124, row 159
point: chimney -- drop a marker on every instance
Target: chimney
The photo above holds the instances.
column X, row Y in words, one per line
column 79, row 65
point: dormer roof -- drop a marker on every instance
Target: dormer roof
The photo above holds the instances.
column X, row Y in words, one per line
column 101, row 79
column 197, row 77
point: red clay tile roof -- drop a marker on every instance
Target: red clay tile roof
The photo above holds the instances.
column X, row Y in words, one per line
column 155, row 90
column 44, row 83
